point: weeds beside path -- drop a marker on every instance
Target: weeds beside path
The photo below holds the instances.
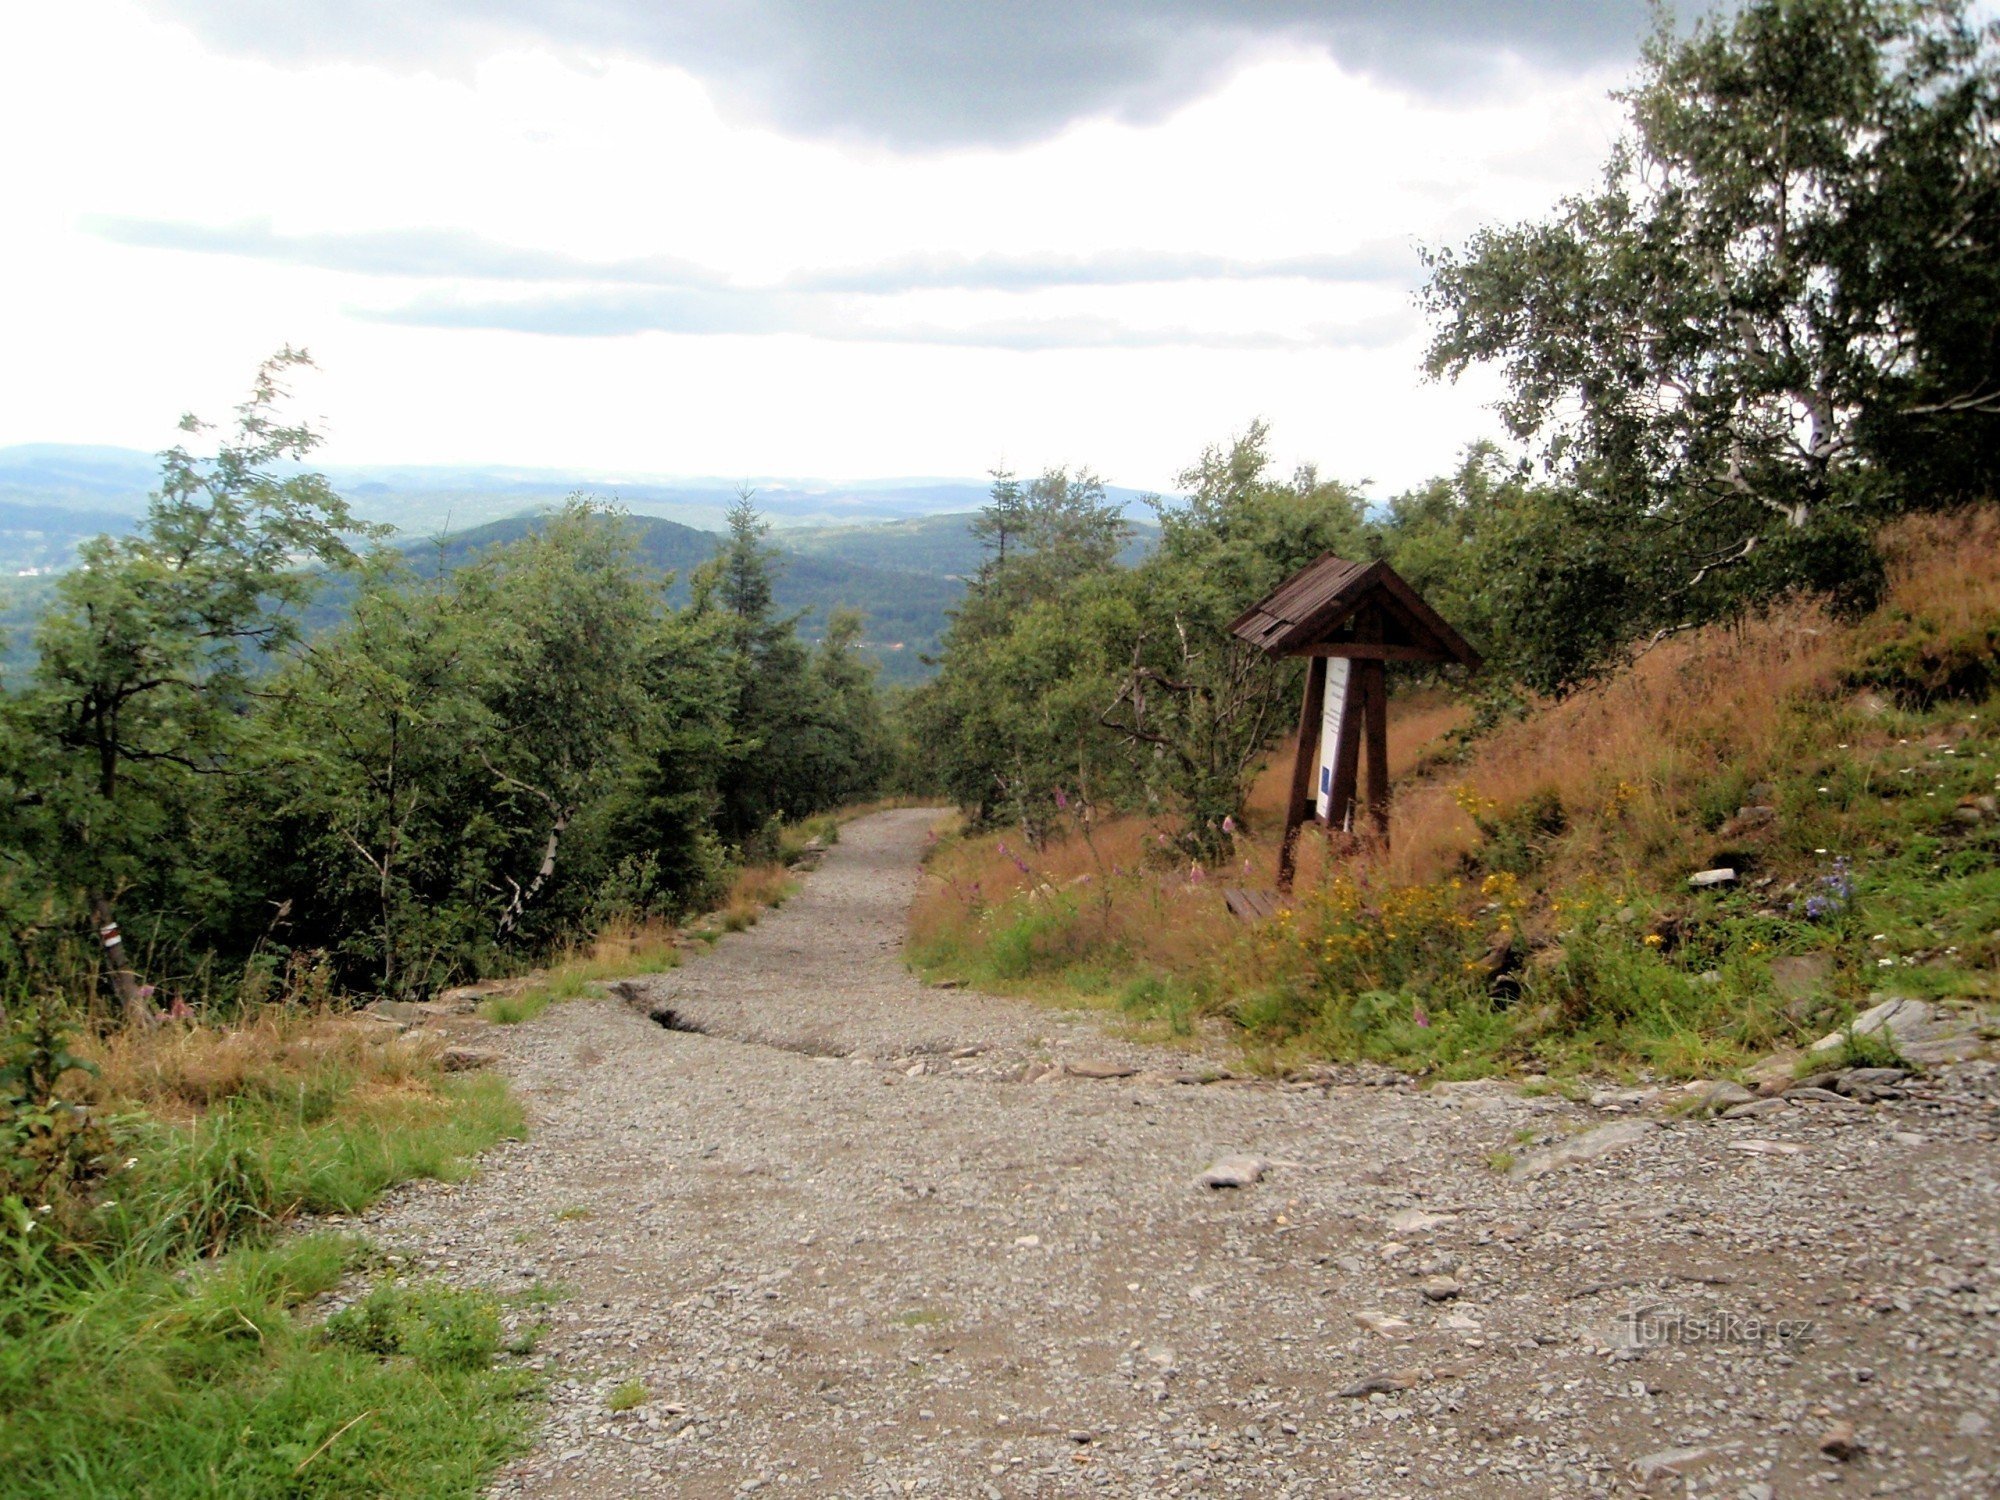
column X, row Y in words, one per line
column 151, row 1336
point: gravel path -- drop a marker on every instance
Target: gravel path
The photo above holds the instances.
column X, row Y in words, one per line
column 849, row 1250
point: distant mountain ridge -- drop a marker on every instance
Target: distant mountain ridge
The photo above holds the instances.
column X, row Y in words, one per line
column 442, row 497
column 899, row 550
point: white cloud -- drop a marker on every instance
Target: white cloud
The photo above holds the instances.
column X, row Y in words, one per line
column 1117, row 294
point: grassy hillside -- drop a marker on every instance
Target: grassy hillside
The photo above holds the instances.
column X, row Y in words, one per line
column 1535, row 912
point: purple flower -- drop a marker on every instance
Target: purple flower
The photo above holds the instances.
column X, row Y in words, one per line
column 1419, row 1014
column 1197, row 874
column 1062, row 802
column 1228, row 824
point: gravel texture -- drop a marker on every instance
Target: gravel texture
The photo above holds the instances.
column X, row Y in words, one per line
column 860, row 1236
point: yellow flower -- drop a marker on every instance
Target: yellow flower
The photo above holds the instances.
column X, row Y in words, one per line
column 1653, row 940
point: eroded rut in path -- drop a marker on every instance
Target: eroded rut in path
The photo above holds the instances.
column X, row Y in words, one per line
column 843, row 1263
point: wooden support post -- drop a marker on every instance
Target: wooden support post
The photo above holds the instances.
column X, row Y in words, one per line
column 1375, row 698
column 1302, row 769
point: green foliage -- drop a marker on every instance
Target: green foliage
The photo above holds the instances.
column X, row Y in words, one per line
column 1772, row 327
column 1919, row 662
column 49, row 1145
column 1065, row 676
column 467, row 771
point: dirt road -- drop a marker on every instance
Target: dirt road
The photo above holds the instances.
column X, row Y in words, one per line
column 849, row 1251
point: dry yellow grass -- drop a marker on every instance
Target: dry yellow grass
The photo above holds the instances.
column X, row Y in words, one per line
column 1620, row 760
column 180, row 1070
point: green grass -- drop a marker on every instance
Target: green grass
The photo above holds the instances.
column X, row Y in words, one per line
column 151, row 1332
column 211, row 1385
column 627, row 1395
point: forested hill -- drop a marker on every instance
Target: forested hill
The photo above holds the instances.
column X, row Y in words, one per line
column 903, row 591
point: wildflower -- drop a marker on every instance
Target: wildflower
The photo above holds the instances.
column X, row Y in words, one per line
column 1653, row 940
column 1062, row 801
column 1228, row 824
column 130, row 1163
column 1197, row 874
column 1419, row 1014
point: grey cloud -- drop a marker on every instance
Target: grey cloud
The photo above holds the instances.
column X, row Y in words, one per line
column 621, row 313
column 1382, row 261
column 926, row 74
column 449, row 254
column 395, row 252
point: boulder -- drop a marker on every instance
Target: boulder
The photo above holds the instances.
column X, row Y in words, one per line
column 1919, row 1031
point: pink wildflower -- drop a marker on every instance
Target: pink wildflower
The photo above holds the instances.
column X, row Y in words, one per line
column 1228, row 824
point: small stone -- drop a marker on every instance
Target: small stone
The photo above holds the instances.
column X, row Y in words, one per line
column 1388, row 1325
column 1081, row 1436
column 1097, row 1068
column 1439, row 1288
column 1376, row 1385
column 1703, row 880
column 1753, row 1146
column 1817, row 1096
column 466, row 1059
column 1973, row 1424
column 1671, row 1462
column 1028, row 1242
column 1416, row 1221
column 1234, row 1172
column 1839, row 1441
column 1755, row 1109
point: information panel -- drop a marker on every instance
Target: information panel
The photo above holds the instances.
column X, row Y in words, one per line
column 1337, row 669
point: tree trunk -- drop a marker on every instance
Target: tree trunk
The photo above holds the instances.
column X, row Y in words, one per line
column 137, row 1008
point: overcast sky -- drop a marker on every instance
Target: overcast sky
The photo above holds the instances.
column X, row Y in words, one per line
column 832, row 238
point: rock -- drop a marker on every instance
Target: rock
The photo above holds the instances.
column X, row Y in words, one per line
column 1801, row 976
column 1817, row 1096
column 466, row 1059
column 1376, row 1385
column 1774, row 1074
column 1967, row 813
column 1839, row 1442
column 1586, row 1147
column 1703, row 880
column 1416, row 1221
column 1097, row 1068
column 405, row 1012
column 466, row 997
column 1755, row 1109
column 1973, row 1424
column 1869, row 1078
column 1439, row 1288
column 1755, row 1146
column 1722, row 1095
column 1671, row 1463
column 1234, row 1172
column 1920, row 1031
column 1388, row 1325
